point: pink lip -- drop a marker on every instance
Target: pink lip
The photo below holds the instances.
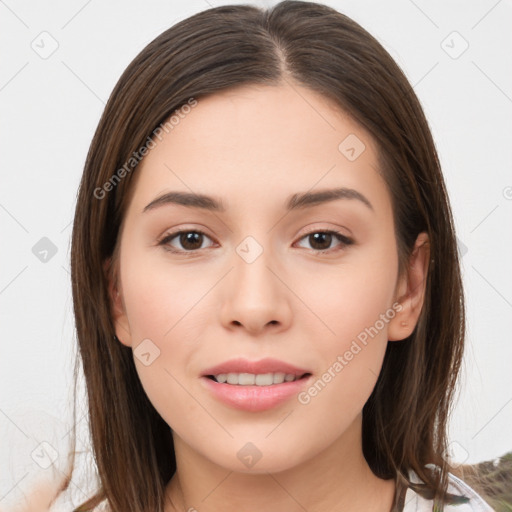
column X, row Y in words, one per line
column 267, row 365
column 254, row 398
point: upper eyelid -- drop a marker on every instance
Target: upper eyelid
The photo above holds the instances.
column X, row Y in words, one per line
column 326, row 230
column 314, row 229
column 174, row 234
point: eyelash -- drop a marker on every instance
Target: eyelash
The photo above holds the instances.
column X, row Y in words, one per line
column 344, row 241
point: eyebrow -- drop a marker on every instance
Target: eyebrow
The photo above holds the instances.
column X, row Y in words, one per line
column 295, row 202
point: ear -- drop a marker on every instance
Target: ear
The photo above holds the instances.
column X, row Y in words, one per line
column 117, row 308
column 411, row 291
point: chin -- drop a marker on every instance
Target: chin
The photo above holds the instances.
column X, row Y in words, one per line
column 258, row 457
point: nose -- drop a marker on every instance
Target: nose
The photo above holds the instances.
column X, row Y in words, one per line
column 255, row 297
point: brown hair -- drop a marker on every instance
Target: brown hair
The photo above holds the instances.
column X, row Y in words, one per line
column 405, row 418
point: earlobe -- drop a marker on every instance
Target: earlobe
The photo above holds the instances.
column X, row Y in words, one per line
column 117, row 309
column 411, row 291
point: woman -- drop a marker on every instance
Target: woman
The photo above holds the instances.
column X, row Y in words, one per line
column 266, row 285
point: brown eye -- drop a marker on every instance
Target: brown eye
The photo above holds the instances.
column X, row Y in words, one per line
column 189, row 241
column 320, row 241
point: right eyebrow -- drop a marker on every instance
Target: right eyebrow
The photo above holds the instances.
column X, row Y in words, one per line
column 190, row 199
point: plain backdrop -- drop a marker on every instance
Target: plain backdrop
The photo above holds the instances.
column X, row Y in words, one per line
column 60, row 61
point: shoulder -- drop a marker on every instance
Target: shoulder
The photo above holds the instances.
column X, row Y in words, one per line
column 466, row 499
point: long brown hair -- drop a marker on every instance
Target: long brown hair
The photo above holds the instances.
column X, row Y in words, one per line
column 405, row 418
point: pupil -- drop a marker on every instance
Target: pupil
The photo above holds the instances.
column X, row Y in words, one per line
column 188, row 238
column 317, row 236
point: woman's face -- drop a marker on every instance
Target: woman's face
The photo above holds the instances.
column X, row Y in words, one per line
column 255, row 284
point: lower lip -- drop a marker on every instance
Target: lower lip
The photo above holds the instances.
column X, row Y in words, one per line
column 255, row 398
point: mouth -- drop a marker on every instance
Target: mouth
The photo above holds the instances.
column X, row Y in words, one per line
column 255, row 385
column 255, row 392
column 263, row 372
column 259, row 379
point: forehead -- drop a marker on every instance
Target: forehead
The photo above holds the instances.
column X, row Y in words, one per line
column 259, row 142
column 269, row 120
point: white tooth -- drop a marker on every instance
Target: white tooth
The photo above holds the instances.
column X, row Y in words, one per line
column 246, row 379
column 264, row 379
column 278, row 378
column 232, row 378
column 250, row 379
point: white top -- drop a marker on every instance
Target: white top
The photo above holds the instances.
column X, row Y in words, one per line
column 474, row 503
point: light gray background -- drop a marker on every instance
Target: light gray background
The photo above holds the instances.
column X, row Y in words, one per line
column 51, row 104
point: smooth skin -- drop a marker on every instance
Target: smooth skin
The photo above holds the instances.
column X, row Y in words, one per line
column 200, row 303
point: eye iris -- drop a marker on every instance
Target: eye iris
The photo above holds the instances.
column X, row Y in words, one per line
column 318, row 237
column 190, row 237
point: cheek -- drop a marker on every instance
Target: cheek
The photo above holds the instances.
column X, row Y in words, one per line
column 161, row 299
column 165, row 307
column 355, row 306
column 349, row 299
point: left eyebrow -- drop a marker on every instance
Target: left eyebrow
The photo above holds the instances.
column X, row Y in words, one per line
column 306, row 199
column 295, row 202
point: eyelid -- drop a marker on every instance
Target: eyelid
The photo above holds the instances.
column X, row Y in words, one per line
column 317, row 229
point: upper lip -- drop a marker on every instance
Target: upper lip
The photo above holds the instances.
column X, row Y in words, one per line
column 267, row 365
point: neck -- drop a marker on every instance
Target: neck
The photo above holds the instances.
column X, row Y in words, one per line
column 338, row 478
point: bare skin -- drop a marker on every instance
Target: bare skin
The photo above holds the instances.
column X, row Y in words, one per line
column 253, row 147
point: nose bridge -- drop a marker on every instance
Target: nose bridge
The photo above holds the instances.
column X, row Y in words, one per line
column 255, row 296
column 252, row 262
